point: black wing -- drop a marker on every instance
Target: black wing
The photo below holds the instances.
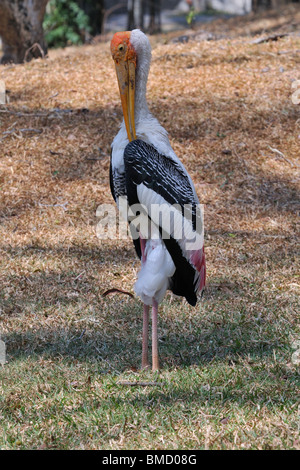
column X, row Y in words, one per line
column 145, row 165
column 117, row 183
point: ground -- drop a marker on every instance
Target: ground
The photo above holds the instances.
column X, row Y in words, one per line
column 229, row 366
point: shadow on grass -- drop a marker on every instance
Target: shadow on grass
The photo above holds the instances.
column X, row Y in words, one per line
column 90, row 328
column 44, row 290
column 241, row 184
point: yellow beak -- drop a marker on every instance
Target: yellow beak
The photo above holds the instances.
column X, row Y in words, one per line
column 126, row 80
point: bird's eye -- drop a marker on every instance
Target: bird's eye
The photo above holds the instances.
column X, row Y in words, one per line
column 121, row 47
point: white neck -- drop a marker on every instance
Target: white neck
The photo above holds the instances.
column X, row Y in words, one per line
column 141, row 106
column 147, row 126
column 142, row 47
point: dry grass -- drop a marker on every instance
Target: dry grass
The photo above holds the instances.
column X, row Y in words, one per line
column 229, row 381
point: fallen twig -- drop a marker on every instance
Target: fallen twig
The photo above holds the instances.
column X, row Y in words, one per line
column 38, row 131
column 120, row 291
column 22, row 130
column 38, row 114
column 18, row 113
column 62, row 205
column 77, row 277
column 271, row 37
column 34, row 46
column 206, row 415
column 140, row 384
column 283, row 156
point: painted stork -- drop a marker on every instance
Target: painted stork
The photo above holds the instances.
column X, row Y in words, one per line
column 145, row 170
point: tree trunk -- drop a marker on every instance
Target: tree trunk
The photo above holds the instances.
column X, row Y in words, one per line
column 155, row 24
column 265, row 4
column 21, row 30
column 94, row 9
column 130, row 15
column 136, row 11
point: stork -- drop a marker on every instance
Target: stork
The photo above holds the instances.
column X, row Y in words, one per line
column 146, row 172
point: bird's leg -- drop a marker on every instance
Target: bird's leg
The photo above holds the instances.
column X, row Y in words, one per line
column 145, row 360
column 143, row 246
column 155, row 363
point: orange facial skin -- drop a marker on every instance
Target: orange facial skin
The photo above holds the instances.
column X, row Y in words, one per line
column 124, row 57
column 121, row 48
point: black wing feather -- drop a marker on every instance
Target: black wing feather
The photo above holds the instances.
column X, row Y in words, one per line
column 144, row 164
column 117, row 183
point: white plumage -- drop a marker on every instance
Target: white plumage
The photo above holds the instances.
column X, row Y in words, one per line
column 146, row 170
column 153, row 278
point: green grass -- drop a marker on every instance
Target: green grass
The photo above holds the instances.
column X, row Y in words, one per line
column 227, row 378
column 72, row 404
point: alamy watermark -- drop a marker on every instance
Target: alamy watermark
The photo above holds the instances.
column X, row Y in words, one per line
column 2, row 352
column 2, row 92
column 296, row 93
column 183, row 223
column 296, row 354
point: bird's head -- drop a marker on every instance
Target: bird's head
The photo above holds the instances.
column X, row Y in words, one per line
column 131, row 52
column 122, row 49
column 124, row 56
